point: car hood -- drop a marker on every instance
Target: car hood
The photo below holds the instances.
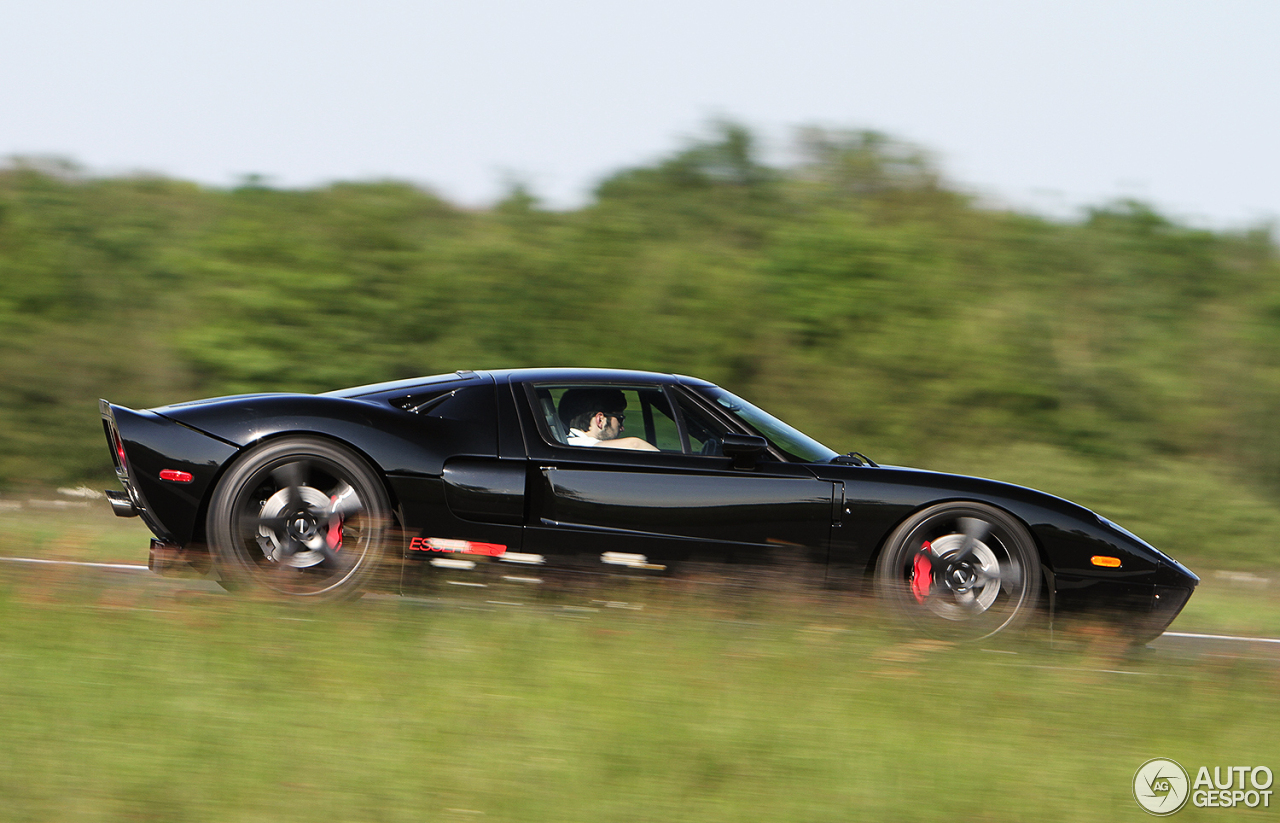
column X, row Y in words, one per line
column 946, row 486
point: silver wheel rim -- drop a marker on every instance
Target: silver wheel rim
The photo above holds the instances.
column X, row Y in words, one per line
column 967, row 589
column 310, row 530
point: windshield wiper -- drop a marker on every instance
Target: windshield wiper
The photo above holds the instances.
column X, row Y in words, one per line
column 856, row 459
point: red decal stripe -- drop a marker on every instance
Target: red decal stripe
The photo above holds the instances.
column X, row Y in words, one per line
column 441, row 544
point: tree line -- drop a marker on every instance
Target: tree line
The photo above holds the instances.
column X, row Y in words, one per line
column 855, row 292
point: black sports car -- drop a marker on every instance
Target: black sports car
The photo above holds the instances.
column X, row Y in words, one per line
column 601, row 471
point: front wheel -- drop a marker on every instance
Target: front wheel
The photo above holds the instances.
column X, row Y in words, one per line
column 300, row 516
column 960, row 570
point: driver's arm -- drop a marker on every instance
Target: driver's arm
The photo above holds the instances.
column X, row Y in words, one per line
column 627, row 443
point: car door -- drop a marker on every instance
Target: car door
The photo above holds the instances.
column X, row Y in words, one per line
column 685, row 503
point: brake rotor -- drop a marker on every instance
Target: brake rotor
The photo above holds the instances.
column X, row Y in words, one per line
column 302, row 528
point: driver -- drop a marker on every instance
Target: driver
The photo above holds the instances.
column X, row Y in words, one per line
column 595, row 418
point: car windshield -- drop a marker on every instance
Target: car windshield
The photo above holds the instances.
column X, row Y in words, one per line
column 796, row 445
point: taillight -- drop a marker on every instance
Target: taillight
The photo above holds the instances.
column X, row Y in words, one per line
column 117, row 445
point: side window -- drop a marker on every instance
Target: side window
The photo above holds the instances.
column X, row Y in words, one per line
column 641, row 412
column 666, row 433
column 706, row 433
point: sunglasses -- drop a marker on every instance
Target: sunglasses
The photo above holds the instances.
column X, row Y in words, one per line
column 621, row 417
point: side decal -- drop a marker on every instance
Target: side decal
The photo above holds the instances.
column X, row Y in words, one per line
column 441, row 544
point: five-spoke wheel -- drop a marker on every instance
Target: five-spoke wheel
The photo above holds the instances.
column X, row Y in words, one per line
column 301, row 516
column 960, row 570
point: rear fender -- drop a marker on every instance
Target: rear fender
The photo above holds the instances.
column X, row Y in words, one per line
column 167, row 468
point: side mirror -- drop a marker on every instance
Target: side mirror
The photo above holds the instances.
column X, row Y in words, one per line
column 745, row 449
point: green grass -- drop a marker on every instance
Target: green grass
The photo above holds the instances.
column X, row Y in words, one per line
column 119, row 703
column 81, row 532
column 1231, row 603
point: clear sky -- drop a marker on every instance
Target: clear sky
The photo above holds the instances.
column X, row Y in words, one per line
column 1036, row 104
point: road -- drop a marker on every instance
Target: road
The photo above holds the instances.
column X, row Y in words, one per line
column 1172, row 643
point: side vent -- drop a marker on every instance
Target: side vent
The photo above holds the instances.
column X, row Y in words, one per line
column 421, row 403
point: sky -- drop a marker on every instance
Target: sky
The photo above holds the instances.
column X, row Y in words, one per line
column 1049, row 107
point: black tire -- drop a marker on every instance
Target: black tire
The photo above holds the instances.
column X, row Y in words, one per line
column 299, row 516
column 960, row 571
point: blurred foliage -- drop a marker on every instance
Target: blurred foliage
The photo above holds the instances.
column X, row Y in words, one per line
column 854, row 293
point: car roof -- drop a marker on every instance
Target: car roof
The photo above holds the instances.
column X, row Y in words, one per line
column 565, row 374
column 527, row 375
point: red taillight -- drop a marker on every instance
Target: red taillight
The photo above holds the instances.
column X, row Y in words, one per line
column 115, row 444
column 175, row 476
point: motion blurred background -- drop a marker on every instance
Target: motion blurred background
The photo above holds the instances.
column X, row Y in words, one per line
column 1124, row 358
column 1024, row 241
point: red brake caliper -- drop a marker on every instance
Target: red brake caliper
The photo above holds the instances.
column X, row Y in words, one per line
column 335, row 530
column 922, row 573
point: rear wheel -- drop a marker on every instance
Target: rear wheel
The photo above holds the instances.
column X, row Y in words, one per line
column 960, row 570
column 300, row 516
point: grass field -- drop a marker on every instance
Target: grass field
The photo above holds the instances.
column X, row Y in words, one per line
column 121, row 702
column 71, row 530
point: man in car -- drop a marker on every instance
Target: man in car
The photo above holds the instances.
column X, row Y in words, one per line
column 595, row 418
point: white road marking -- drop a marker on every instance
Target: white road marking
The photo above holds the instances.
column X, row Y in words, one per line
column 1222, row 637
column 996, row 662
column 124, row 566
